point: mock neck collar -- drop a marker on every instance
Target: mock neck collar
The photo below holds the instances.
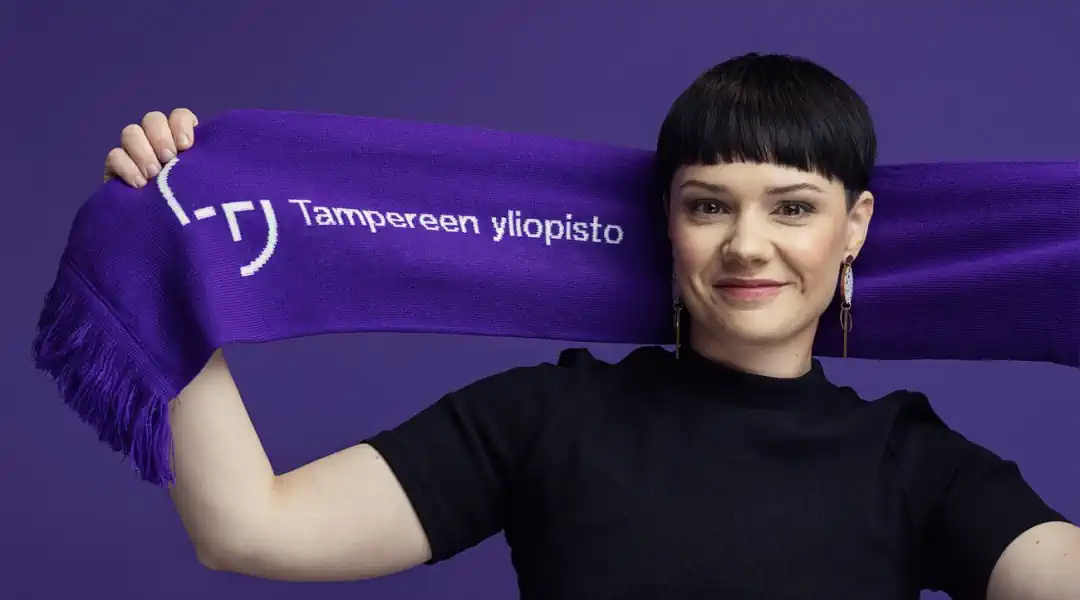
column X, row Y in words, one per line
column 716, row 380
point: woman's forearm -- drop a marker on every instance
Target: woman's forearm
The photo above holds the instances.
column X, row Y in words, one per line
column 223, row 476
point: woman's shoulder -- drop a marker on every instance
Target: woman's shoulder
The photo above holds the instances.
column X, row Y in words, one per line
column 924, row 443
column 580, row 362
column 575, row 373
column 584, row 361
column 909, row 411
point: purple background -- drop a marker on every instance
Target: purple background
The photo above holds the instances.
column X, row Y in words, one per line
column 982, row 82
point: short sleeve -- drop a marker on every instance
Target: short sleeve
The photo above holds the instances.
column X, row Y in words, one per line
column 457, row 459
column 970, row 503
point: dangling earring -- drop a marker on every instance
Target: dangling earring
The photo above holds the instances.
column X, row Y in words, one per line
column 847, row 288
column 676, row 309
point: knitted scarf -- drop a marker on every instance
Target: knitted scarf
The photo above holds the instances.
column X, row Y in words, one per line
column 279, row 225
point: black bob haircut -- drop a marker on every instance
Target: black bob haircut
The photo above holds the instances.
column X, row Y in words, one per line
column 770, row 109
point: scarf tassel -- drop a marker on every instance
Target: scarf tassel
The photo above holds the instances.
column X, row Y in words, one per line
column 102, row 374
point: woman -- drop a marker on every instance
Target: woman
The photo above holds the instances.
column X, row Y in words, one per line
column 733, row 470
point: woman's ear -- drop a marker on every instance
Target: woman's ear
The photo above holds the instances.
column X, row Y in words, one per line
column 859, row 224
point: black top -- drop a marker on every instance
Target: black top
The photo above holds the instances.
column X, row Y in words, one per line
column 658, row 478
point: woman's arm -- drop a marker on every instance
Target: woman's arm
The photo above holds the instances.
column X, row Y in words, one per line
column 986, row 534
column 348, row 515
column 341, row 517
column 1043, row 563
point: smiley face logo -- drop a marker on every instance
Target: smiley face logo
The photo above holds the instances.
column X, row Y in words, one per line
column 229, row 210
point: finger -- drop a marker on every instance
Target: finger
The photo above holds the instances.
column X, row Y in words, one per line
column 119, row 164
column 182, row 122
column 156, row 127
column 133, row 140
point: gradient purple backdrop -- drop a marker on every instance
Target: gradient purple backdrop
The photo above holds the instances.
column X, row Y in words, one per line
column 964, row 80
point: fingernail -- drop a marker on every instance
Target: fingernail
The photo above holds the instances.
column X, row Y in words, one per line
column 139, row 181
column 152, row 171
column 167, row 155
column 183, row 140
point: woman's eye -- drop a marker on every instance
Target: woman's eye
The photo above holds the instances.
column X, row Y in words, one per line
column 794, row 209
column 708, row 207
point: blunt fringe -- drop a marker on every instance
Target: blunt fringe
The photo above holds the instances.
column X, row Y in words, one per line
column 770, row 109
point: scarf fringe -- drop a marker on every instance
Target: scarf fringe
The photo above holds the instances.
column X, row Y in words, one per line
column 101, row 374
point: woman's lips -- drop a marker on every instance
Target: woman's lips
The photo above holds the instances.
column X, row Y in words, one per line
column 749, row 290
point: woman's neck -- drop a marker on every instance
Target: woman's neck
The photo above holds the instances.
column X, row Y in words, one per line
column 785, row 360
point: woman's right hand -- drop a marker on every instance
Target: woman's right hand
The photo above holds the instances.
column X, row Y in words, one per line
column 145, row 148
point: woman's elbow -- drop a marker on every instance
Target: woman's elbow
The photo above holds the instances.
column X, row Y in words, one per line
column 230, row 554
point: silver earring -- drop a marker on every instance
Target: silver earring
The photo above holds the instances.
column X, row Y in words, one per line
column 847, row 290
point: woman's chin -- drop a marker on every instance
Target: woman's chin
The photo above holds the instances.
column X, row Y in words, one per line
column 758, row 328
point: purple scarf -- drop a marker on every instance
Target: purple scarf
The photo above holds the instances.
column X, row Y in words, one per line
column 279, row 225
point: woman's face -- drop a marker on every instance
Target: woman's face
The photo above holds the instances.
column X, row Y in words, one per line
column 758, row 248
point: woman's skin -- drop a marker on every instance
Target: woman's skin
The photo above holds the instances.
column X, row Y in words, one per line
column 788, row 231
column 345, row 517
